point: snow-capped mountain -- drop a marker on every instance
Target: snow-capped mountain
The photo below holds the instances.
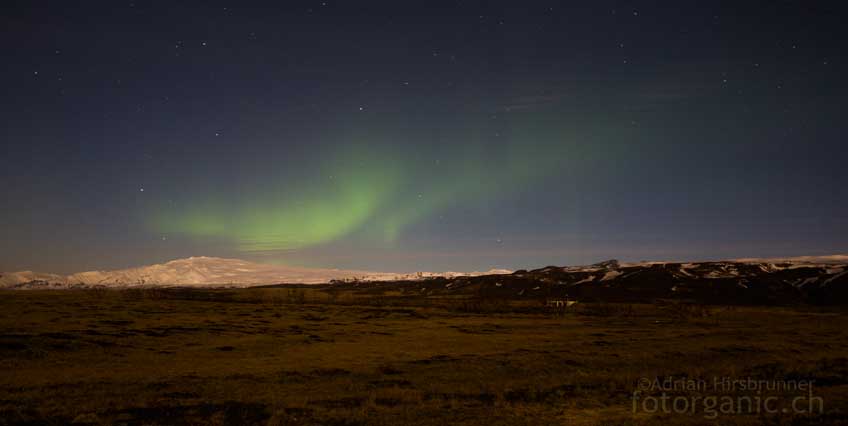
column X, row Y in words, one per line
column 208, row 271
column 821, row 279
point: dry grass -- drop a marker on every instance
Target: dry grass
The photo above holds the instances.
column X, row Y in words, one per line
column 302, row 357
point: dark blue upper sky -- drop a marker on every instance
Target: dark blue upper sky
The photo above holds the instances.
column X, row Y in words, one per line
column 429, row 136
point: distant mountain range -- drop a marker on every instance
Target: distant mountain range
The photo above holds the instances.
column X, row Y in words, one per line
column 207, row 271
column 814, row 280
column 808, row 279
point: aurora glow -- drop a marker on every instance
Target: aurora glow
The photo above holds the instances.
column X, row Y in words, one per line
column 379, row 193
column 282, row 217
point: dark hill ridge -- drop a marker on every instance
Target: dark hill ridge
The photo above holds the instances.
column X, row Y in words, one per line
column 728, row 282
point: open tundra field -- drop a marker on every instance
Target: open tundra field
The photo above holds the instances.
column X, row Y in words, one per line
column 308, row 356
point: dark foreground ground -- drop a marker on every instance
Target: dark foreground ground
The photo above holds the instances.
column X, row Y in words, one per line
column 291, row 356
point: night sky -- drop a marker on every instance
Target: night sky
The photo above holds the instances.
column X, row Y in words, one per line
column 402, row 136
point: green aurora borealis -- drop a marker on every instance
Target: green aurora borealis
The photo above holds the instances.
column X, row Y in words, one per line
column 373, row 190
